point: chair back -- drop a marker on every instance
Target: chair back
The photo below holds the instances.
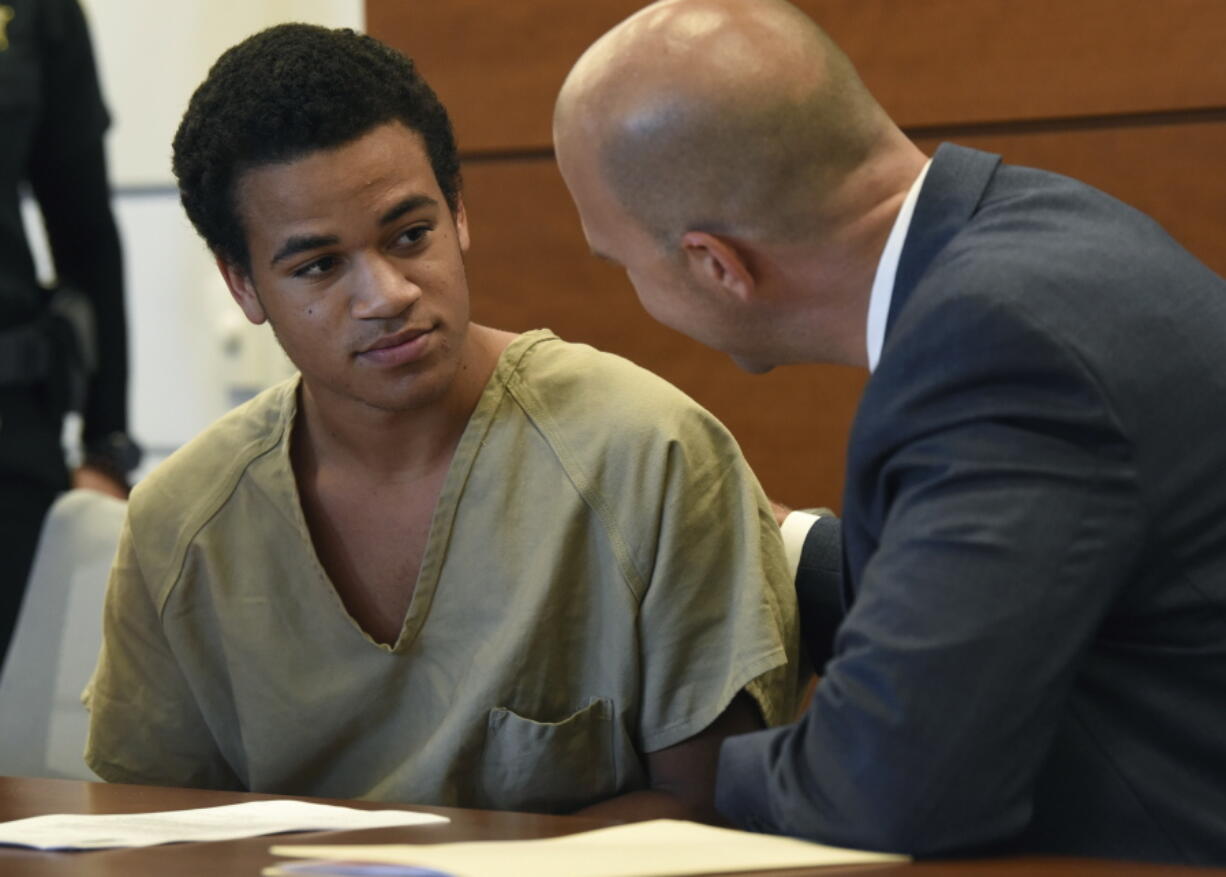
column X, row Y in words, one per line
column 56, row 641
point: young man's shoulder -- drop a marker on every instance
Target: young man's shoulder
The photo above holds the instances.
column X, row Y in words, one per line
column 194, row 481
column 601, row 397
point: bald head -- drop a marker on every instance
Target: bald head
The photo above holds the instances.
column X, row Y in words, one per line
column 737, row 117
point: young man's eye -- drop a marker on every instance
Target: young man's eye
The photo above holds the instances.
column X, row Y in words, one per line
column 413, row 235
column 316, row 268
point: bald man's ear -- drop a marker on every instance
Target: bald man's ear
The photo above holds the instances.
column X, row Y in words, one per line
column 242, row 289
column 716, row 263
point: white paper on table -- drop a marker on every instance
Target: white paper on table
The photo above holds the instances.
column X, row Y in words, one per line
column 93, row 831
column 659, row 848
column 312, row 868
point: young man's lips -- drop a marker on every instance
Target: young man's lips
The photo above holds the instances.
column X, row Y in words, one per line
column 398, row 349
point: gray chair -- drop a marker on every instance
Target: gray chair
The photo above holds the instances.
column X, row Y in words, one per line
column 56, row 641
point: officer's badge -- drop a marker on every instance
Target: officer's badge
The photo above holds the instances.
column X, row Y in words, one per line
column 6, row 15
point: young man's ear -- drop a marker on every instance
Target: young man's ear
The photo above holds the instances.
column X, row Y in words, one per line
column 717, row 264
column 461, row 223
column 243, row 290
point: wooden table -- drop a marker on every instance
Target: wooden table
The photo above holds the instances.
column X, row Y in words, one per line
column 20, row 798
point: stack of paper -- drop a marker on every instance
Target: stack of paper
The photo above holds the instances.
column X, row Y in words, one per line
column 659, row 848
column 84, row 831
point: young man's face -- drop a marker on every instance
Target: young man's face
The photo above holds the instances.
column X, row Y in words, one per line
column 357, row 262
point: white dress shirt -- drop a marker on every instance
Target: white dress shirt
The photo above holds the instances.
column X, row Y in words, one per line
column 796, row 525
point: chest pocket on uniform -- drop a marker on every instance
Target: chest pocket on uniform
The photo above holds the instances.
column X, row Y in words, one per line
column 549, row 766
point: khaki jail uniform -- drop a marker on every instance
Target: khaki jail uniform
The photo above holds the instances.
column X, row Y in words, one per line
column 602, row 576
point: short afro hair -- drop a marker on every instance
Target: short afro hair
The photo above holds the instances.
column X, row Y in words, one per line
column 284, row 93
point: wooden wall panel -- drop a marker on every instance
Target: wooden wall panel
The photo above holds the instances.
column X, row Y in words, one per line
column 498, row 65
column 954, row 62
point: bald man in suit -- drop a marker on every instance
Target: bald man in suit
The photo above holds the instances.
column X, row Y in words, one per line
column 1021, row 621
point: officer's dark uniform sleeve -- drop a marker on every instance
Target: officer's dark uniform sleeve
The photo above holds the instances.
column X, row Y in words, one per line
column 68, row 175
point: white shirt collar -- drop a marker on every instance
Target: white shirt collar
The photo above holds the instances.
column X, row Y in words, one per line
column 883, row 282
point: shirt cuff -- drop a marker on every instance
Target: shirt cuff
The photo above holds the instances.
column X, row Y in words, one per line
column 742, row 780
column 795, row 529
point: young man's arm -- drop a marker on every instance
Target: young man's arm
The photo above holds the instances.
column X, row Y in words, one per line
column 716, row 615
column 683, row 775
column 145, row 726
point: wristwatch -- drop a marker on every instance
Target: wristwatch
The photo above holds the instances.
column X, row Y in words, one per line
column 114, row 453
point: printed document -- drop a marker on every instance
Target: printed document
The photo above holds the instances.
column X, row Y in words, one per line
column 659, row 848
column 83, row 831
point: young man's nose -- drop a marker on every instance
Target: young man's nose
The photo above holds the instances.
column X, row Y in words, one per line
column 383, row 290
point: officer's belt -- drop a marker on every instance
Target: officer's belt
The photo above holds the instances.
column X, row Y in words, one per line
column 26, row 355
column 30, row 352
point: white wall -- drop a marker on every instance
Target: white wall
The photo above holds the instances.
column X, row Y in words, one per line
column 192, row 354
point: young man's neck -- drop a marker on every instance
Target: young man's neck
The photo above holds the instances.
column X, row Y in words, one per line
column 379, row 443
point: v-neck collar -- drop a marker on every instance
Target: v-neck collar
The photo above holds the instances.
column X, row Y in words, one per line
column 443, row 518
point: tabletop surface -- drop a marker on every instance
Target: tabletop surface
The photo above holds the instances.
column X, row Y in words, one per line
column 21, row 797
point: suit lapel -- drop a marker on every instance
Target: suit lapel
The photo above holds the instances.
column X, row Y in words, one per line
column 949, row 197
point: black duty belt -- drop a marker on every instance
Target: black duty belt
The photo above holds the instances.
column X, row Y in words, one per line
column 57, row 345
column 26, row 355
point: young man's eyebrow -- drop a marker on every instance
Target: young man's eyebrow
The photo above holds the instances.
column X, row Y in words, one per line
column 408, row 205
column 301, row 243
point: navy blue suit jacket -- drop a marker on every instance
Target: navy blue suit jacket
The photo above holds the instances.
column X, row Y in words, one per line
column 1030, row 651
